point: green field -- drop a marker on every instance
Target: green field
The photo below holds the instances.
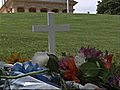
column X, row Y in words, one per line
column 101, row 31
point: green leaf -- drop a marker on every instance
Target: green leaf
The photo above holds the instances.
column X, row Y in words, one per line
column 1, row 73
column 104, row 75
column 53, row 63
column 95, row 60
column 90, row 69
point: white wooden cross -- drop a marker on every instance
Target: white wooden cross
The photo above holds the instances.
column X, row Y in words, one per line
column 50, row 28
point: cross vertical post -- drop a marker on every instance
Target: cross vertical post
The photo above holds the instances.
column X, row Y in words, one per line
column 51, row 34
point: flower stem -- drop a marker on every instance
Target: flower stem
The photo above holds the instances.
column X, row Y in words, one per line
column 27, row 74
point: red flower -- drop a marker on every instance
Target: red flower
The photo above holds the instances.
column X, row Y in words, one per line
column 108, row 61
column 68, row 64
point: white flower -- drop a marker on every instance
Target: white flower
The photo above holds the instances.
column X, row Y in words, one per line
column 41, row 58
column 79, row 59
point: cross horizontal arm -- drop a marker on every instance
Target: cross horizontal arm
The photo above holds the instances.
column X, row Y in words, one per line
column 62, row 28
column 40, row 28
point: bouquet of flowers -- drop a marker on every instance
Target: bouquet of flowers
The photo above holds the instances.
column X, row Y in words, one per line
column 90, row 65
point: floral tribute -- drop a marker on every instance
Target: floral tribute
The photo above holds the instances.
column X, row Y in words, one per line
column 90, row 68
column 16, row 57
column 91, row 65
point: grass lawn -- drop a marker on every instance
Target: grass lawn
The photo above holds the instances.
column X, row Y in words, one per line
column 101, row 31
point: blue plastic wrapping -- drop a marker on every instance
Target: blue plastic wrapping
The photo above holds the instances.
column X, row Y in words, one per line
column 28, row 66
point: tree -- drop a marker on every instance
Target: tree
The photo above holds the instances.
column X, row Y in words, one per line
column 109, row 7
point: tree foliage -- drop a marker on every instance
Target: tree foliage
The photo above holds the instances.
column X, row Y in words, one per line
column 109, row 7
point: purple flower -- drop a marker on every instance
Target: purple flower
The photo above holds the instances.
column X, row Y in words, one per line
column 114, row 81
column 90, row 52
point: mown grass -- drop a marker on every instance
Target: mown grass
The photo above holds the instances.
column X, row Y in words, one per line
column 101, row 31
